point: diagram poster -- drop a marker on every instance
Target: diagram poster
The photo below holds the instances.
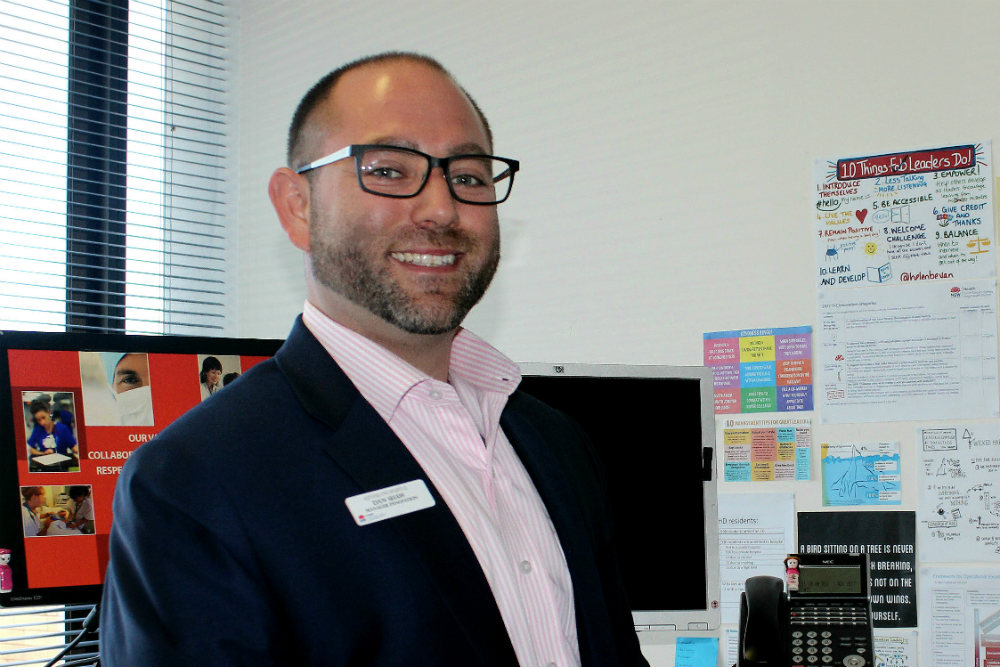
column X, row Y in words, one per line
column 761, row 370
column 857, row 473
column 958, row 499
column 888, row 539
column 764, row 449
column 959, row 608
column 904, row 217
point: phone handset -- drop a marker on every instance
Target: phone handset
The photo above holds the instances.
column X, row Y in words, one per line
column 763, row 620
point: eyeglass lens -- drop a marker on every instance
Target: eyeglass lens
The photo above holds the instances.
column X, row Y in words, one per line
column 401, row 173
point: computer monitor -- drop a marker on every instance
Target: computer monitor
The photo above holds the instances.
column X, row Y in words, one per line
column 654, row 431
column 73, row 407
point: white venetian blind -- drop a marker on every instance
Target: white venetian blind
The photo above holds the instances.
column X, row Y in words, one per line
column 113, row 156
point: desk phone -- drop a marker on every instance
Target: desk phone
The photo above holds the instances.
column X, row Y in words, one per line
column 823, row 620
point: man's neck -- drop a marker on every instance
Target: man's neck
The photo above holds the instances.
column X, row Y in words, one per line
column 429, row 353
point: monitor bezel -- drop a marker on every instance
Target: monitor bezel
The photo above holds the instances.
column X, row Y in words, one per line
column 11, row 531
column 672, row 619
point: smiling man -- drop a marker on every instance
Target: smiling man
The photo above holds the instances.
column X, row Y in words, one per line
column 379, row 493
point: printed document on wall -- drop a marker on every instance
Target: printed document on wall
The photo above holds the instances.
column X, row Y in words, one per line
column 907, row 353
column 756, row 532
column 958, row 484
column 905, row 217
column 959, row 609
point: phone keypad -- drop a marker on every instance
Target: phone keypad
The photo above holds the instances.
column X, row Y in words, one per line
column 830, row 632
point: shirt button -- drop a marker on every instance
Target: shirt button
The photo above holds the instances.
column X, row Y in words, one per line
column 526, row 566
column 435, row 395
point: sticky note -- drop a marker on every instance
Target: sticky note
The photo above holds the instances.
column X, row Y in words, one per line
column 696, row 652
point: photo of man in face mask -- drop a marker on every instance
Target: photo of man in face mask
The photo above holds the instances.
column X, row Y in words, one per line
column 116, row 389
column 133, row 394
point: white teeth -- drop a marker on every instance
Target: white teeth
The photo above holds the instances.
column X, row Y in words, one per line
column 423, row 260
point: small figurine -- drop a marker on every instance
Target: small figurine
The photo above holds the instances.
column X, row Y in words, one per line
column 792, row 572
column 6, row 574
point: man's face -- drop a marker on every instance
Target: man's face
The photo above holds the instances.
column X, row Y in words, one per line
column 35, row 501
column 131, row 372
column 421, row 263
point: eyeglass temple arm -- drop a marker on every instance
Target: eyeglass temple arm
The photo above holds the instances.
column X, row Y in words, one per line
column 323, row 161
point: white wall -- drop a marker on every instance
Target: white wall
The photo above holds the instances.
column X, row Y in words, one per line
column 666, row 153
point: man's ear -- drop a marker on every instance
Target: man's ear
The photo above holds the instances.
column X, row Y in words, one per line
column 289, row 193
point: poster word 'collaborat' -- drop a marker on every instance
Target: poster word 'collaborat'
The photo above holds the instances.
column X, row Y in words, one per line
column 761, row 370
column 904, row 217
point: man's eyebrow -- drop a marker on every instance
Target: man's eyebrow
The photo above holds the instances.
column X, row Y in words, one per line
column 468, row 148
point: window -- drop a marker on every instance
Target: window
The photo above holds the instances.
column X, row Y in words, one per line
column 113, row 149
column 113, row 155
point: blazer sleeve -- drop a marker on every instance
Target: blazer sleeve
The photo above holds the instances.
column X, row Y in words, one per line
column 171, row 521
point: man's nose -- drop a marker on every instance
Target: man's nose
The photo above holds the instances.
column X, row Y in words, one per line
column 435, row 204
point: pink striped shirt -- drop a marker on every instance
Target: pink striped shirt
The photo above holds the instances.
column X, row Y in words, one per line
column 445, row 426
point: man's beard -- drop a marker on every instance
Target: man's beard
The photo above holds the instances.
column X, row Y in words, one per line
column 346, row 269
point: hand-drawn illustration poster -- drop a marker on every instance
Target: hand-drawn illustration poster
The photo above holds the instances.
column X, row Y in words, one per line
column 958, row 502
column 761, row 370
column 888, row 539
column 764, row 449
column 856, row 473
column 903, row 353
column 905, row 217
column 960, row 608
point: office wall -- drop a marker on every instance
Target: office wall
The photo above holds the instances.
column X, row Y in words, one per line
column 667, row 153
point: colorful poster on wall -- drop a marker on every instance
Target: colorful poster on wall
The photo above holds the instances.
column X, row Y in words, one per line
column 761, row 370
column 904, row 217
column 859, row 473
column 764, row 449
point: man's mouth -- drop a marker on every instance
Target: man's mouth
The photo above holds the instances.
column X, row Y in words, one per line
column 424, row 259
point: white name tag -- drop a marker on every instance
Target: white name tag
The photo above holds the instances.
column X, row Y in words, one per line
column 389, row 502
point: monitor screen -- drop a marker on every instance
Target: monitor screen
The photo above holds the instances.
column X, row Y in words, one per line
column 654, row 431
column 73, row 408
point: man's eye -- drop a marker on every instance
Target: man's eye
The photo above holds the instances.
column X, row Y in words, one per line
column 130, row 378
column 468, row 180
column 385, row 172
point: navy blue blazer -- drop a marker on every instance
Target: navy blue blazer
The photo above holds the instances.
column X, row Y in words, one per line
column 232, row 544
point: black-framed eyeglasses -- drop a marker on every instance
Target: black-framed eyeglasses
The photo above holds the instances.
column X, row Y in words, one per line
column 394, row 171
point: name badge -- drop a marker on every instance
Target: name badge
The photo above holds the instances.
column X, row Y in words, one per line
column 390, row 502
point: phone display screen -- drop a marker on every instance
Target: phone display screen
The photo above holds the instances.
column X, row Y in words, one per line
column 830, row 580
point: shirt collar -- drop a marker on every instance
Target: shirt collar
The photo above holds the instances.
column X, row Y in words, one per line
column 383, row 378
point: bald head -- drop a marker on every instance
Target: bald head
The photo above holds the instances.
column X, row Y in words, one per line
column 307, row 126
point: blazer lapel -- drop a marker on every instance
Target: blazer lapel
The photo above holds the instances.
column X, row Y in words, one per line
column 364, row 446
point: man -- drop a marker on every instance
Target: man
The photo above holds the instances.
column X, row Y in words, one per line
column 379, row 493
